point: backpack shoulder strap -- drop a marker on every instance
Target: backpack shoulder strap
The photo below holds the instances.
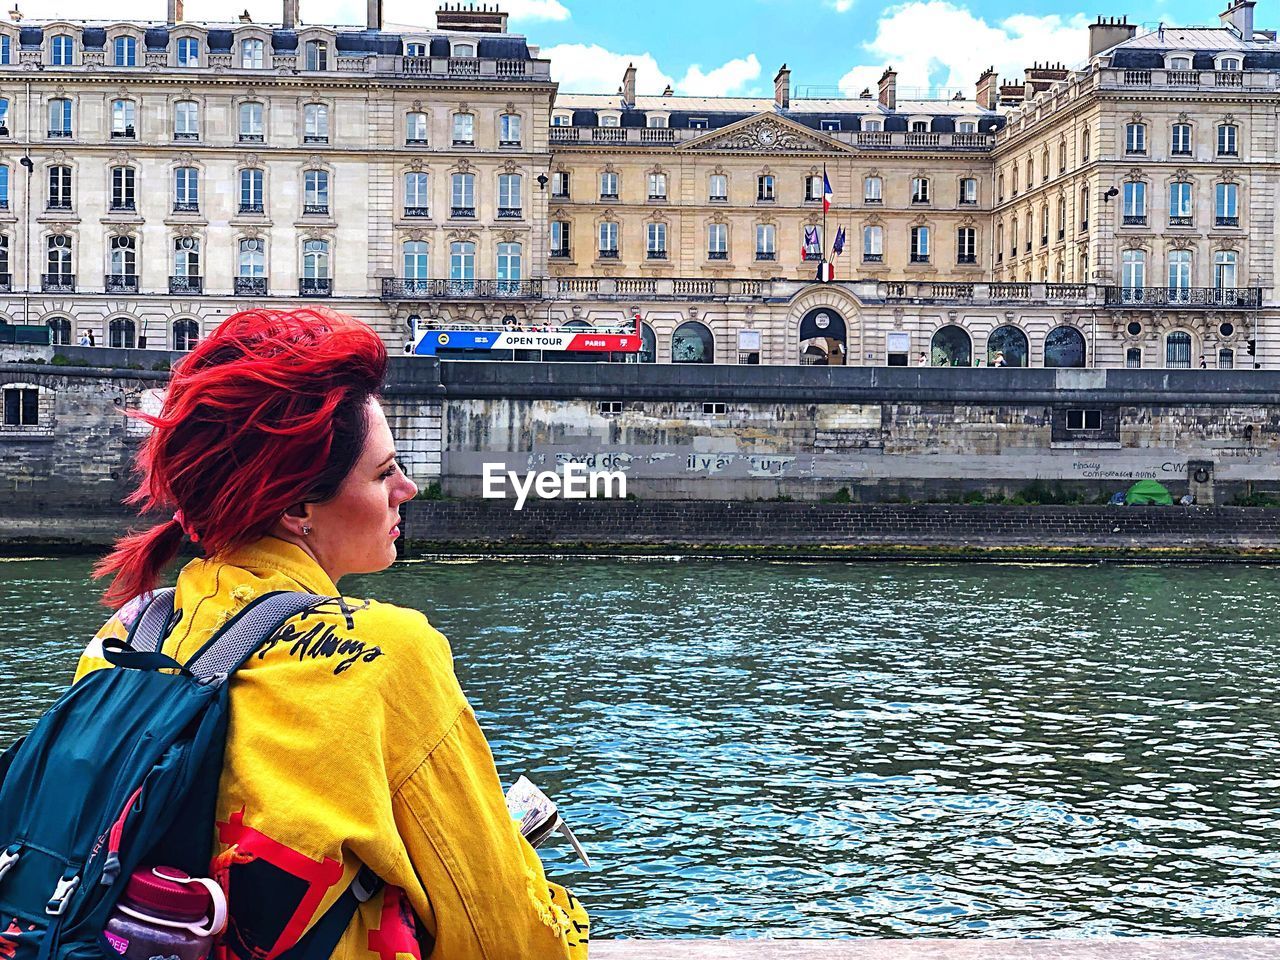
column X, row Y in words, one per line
column 322, row 939
column 249, row 629
column 150, row 629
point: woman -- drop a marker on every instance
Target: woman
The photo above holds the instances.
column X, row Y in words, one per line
column 350, row 740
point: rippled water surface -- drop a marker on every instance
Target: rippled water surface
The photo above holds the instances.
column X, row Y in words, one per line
column 860, row 750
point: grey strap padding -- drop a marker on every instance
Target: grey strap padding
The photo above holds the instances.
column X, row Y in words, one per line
column 247, row 631
column 150, row 630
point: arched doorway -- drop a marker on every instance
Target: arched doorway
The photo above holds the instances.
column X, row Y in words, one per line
column 648, row 348
column 822, row 338
column 185, row 333
column 122, row 333
column 1009, row 342
column 692, row 343
column 59, row 331
column 1064, row 347
column 951, row 347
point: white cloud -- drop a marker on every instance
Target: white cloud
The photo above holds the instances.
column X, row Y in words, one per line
column 936, row 43
column 724, row 80
column 842, row 6
column 588, row 68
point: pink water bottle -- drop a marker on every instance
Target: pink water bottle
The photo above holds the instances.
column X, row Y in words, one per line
column 164, row 914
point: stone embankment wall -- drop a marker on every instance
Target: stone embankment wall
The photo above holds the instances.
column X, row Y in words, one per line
column 718, row 433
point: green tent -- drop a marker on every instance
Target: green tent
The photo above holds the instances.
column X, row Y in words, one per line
column 1147, row 492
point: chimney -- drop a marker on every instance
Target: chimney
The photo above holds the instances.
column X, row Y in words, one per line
column 289, row 19
column 988, row 90
column 1109, row 31
column 889, row 89
column 485, row 18
column 629, row 87
column 667, row 91
column 1239, row 17
column 175, row 11
column 373, row 20
column 245, row 17
column 782, row 89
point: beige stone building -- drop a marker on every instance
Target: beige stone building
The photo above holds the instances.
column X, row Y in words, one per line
column 158, row 176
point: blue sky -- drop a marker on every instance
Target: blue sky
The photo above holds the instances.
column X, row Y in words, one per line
column 734, row 47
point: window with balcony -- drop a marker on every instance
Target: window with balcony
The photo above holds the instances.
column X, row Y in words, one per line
column 919, row 190
column 462, row 267
column 1180, row 210
column 873, row 190
column 1226, row 205
column 188, row 52
column 510, row 269
column 1133, row 269
column 560, row 185
column 919, row 244
column 718, row 188
column 1228, row 140
column 251, row 190
column 59, row 276
column 657, row 186
column 608, row 235
column 62, row 50
column 4, row 115
column 608, row 185
column 123, row 190
column 1225, row 274
column 123, row 120
column 316, row 54
column 1135, row 138
column 122, row 263
column 186, row 120
column 872, row 244
column 315, row 280
column 765, row 188
column 1180, row 140
column 251, row 127
column 969, row 191
column 4, row 191
column 1179, row 275
column 717, row 241
column 464, row 129
column 417, row 201
column 415, row 257
column 1044, row 225
column 59, row 118
column 510, row 196
column 315, row 193
column 186, row 276
column 766, row 242
column 966, row 245
column 315, row 123
column 59, row 187
column 252, row 54
column 510, row 133
column 186, row 190
column 560, row 232
column 415, row 129
column 1135, row 203
column 125, row 50
column 251, row 267
column 463, row 196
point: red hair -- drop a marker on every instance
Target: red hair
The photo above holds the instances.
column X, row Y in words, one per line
column 266, row 413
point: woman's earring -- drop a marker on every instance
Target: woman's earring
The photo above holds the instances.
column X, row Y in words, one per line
column 306, row 530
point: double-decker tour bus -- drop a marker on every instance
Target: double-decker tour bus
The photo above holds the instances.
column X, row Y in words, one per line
column 436, row 339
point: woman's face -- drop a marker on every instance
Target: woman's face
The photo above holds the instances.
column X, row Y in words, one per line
column 356, row 530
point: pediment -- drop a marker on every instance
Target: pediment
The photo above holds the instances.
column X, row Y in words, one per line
column 766, row 133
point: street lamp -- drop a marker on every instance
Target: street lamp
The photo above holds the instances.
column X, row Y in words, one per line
column 30, row 166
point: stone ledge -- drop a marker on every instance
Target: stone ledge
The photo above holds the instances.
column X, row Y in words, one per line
column 1127, row 948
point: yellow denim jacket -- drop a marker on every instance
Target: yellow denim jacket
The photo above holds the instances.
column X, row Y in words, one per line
column 351, row 742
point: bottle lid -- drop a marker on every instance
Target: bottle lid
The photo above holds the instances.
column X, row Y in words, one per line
column 159, row 891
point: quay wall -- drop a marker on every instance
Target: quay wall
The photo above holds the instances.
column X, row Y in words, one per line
column 716, row 433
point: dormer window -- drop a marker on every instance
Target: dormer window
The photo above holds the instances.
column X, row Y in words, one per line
column 1229, row 63
column 62, row 50
column 698, row 123
column 829, row 126
column 919, row 126
column 317, row 55
column 126, row 51
column 873, row 126
column 252, row 54
column 966, row 126
column 6, row 50
column 463, row 49
column 188, row 52
column 561, row 120
column 608, row 121
column 415, row 49
column 1179, row 63
column 655, row 121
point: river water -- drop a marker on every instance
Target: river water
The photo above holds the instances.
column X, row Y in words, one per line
column 825, row 750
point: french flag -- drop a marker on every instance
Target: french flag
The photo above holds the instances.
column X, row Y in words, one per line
column 827, row 195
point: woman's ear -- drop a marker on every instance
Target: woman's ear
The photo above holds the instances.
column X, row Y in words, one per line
column 297, row 520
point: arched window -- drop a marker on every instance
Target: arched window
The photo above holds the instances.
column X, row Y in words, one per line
column 185, row 333
column 58, row 260
column 315, row 192
column 317, row 55
column 315, row 123
column 692, row 343
column 1177, row 350
column 315, row 259
column 186, row 189
column 415, row 128
column 4, row 115
column 188, row 52
column 1009, row 344
column 126, row 51
column 1135, row 203
column 417, row 262
column 59, row 331
column 4, row 186
column 510, row 200
column 186, row 120
column 417, row 194
column 509, row 133
column 1179, row 276
column 1064, row 347
column 252, row 54
column 62, row 50
column 1000, row 189
column 823, row 338
column 951, row 347
column 123, row 264
column 1044, row 164
column 510, row 269
column 464, row 129
column 1084, row 208
column 1228, row 140
column 122, row 333
column 1135, row 138
column 463, row 49
column 252, row 260
column 648, row 345
column 6, row 275
column 1084, row 144
column 1226, row 358
column 462, row 267
column 251, row 190
column 186, row 261
column 59, row 118
column 251, row 128
column 1225, row 269
column 123, row 123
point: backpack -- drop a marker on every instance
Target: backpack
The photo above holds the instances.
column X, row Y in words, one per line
column 123, row 771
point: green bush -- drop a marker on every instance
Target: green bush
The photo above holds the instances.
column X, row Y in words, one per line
column 432, row 491
column 840, row 496
column 1255, row 499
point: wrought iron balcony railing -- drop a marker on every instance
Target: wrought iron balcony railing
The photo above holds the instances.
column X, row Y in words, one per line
column 443, row 289
column 315, row 286
column 315, row 209
column 1239, row 297
column 251, row 286
column 58, row 282
column 186, row 285
column 251, row 208
column 120, row 283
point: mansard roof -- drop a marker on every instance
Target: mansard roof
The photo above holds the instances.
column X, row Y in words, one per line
column 1203, row 43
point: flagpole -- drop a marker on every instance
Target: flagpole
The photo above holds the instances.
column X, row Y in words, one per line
column 824, row 218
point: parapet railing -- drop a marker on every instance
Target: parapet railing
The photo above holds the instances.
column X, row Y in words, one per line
column 869, row 139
